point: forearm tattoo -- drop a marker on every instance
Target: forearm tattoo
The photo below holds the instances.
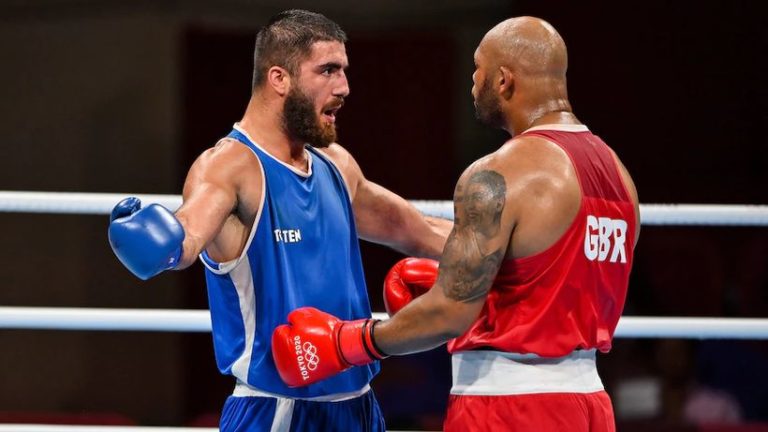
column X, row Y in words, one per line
column 473, row 253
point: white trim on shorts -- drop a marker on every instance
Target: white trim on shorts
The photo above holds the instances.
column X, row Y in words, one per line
column 283, row 415
column 499, row 373
column 244, row 390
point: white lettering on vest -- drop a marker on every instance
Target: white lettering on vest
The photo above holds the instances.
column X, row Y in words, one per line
column 287, row 236
column 603, row 236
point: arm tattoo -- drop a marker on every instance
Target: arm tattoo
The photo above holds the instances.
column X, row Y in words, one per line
column 468, row 267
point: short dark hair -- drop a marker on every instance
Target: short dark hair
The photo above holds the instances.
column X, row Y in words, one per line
column 287, row 39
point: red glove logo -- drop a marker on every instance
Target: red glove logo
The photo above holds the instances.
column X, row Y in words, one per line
column 310, row 354
column 306, row 357
column 312, row 334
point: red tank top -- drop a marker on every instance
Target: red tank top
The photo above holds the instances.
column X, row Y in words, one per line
column 571, row 295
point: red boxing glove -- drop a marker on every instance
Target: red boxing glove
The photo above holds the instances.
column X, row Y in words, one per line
column 315, row 345
column 408, row 279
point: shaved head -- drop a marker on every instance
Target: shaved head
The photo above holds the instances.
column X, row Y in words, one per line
column 528, row 45
column 520, row 72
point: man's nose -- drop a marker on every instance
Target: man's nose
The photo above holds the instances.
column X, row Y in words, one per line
column 342, row 89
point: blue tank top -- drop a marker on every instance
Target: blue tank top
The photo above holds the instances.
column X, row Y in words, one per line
column 303, row 250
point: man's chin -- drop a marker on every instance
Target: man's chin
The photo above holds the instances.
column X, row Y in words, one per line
column 324, row 138
column 492, row 120
column 329, row 135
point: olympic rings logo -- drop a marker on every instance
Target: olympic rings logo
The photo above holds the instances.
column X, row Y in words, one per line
column 310, row 355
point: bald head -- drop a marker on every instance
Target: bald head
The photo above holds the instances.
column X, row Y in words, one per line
column 519, row 75
column 527, row 45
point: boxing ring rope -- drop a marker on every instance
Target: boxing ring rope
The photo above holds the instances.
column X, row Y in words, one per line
column 10, row 427
column 170, row 320
column 650, row 214
column 199, row 320
column 72, row 428
column 174, row 320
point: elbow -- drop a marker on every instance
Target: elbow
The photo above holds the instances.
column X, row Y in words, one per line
column 425, row 251
column 457, row 328
column 427, row 246
column 451, row 334
column 454, row 322
column 451, row 331
column 421, row 238
column 185, row 261
column 190, row 249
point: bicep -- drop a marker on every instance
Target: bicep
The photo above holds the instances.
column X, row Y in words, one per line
column 379, row 213
column 471, row 259
column 374, row 207
column 476, row 246
column 206, row 206
column 478, row 243
column 386, row 218
column 209, row 197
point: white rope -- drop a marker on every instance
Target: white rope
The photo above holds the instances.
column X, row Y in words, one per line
column 50, row 318
column 73, row 428
column 199, row 321
column 76, row 428
column 658, row 214
column 692, row 328
column 650, row 214
column 75, row 203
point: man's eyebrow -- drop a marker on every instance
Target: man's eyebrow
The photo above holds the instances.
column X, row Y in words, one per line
column 332, row 65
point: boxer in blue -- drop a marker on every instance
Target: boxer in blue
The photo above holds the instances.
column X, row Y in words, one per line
column 274, row 211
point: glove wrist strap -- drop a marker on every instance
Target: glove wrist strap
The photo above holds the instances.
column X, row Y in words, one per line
column 356, row 344
column 377, row 352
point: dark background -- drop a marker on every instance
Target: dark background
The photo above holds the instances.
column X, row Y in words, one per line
column 118, row 96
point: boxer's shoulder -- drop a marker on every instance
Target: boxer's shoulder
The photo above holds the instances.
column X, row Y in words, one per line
column 345, row 163
column 340, row 156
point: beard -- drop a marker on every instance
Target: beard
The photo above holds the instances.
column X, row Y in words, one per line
column 301, row 121
column 488, row 108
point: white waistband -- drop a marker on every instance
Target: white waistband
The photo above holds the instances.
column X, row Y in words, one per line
column 499, row 373
column 244, row 390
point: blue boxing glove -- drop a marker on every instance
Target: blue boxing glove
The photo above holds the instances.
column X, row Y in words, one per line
column 146, row 240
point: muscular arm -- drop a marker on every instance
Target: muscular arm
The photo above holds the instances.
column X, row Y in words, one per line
column 471, row 259
column 386, row 218
column 210, row 196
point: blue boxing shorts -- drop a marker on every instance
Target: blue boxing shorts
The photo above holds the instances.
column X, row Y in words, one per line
column 277, row 414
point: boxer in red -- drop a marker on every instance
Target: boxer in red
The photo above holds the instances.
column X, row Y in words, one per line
column 534, row 275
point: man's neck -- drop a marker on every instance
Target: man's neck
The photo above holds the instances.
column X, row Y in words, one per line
column 555, row 117
column 541, row 116
column 265, row 127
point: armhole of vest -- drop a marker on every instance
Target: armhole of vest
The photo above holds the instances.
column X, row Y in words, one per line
column 336, row 167
column 617, row 168
column 636, row 215
column 226, row 267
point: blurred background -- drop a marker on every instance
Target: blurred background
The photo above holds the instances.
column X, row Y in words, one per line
column 122, row 95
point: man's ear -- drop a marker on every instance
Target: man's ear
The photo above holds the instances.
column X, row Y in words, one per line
column 279, row 79
column 506, row 80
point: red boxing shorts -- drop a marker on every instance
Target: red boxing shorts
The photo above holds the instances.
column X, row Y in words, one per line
column 542, row 412
column 495, row 391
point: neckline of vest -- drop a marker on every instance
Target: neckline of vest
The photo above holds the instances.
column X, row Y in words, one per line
column 293, row 169
column 559, row 128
